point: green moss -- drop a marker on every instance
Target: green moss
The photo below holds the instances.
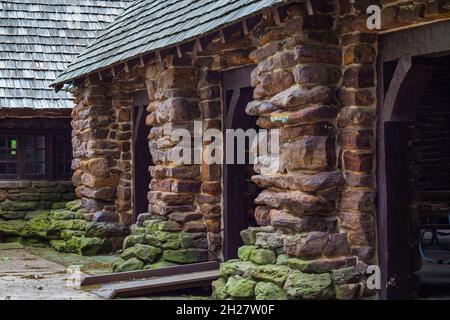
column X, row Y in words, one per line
column 12, row 215
column 58, row 245
column 74, row 205
column 63, row 215
column 235, row 267
column 12, row 228
column 67, row 234
column 271, row 273
column 269, row 291
column 184, row 256
column 219, row 289
column 133, row 264
column 132, row 240
column 309, row 286
column 143, row 252
column 240, row 288
column 58, row 205
column 88, row 246
column 245, row 252
column 19, row 205
column 263, row 256
column 160, row 264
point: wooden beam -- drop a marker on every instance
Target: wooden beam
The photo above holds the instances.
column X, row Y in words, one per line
column 276, row 16
column 309, row 7
column 245, row 26
column 222, row 36
column 180, row 54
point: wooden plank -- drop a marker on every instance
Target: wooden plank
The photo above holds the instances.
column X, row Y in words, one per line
column 398, row 216
column 157, row 285
column 144, row 274
column 417, row 41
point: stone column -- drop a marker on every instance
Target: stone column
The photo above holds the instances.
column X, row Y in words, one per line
column 94, row 151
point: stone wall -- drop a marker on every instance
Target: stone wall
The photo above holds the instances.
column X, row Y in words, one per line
column 315, row 83
column 101, row 142
column 19, row 198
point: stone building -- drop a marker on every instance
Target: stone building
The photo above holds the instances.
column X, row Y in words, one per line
column 37, row 40
column 349, row 102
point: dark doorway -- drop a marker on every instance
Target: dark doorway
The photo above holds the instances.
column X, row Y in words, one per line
column 141, row 155
column 239, row 191
column 408, row 61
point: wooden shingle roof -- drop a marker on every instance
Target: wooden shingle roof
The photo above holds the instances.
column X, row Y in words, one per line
column 151, row 25
column 38, row 38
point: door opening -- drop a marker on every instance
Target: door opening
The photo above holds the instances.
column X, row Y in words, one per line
column 142, row 159
column 239, row 191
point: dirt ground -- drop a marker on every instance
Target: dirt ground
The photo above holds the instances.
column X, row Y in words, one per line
column 25, row 276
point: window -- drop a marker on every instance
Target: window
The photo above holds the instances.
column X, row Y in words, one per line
column 35, row 155
column 8, row 156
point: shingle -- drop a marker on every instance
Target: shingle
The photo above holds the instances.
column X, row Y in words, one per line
column 150, row 25
column 38, row 38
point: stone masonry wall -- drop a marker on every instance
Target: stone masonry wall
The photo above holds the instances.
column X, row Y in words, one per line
column 316, row 212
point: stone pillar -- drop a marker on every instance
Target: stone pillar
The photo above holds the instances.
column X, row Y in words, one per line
column 95, row 152
column 301, row 250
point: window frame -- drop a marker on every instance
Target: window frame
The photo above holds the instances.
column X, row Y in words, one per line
column 50, row 155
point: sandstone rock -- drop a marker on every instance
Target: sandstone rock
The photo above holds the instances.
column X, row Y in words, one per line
column 337, row 245
column 144, row 253
column 143, row 217
column 303, row 116
column 320, row 266
column 298, row 203
column 219, row 289
column 185, row 256
column 99, row 182
column 263, row 256
column 262, row 215
column 307, row 246
column 286, row 221
column 271, row 273
column 249, row 235
column 269, row 291
column 301, row 182
column 133, row 264
column 316, row 74
column 358, row 200
column 348, row 291
column 241, row 288
column 97, row 167
column 257, row 108
column 312, row 153
column 317, row 54
column 309, row 286
column 345, row 276
column 276, row 81
column 297, row 96
column 272, row 241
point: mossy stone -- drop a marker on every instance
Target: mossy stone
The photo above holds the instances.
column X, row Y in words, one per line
column 160, row 264
column 74, row 205
column 240, row 288
column 19, row 206
column 12, row 215
column 170, row 226
column 269, row 291
column 185, row 256
column 133, row 264
column 301, row 285
column 143, row 252
column 235, row 267
column 12, row 228
column 88, row 246
column 282, row 259
column 245, row 252
column 132, row 240
column 269, row 273
column 58, row 245
column 263, row 256
column 58, row 205
column 67, row 234
column 62, row 215
column 219, row 288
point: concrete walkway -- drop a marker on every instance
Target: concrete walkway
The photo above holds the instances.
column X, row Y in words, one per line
column 24, row 276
